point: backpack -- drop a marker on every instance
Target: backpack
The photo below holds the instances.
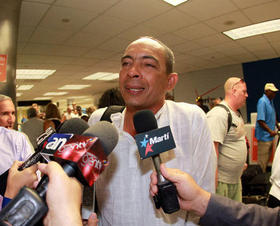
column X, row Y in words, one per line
column 111, row 110
column 229, row 115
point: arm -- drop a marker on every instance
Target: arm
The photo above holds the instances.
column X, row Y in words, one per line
column 17, row 179
column 266, row 128
column 216, row 145
column 3, row 182
column 213, row 209
column 64, row 198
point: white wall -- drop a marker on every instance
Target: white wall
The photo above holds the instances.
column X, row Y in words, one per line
column 204, row 80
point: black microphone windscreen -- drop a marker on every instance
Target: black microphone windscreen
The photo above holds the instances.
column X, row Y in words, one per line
column 74, row 125
column 107, row 134
column 144, row 120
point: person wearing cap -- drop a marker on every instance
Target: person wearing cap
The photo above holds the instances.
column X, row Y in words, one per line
column 265, row 130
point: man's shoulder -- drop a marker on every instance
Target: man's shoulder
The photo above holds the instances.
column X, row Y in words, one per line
column 12, row 134
column 183, row 106
column 96, row 116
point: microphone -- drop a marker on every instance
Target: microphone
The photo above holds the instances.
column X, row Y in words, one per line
column 44, row 141
column 152, row 141
column 79, row 156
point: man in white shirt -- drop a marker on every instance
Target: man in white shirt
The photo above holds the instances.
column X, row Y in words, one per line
column 14, row 145
column 122, row 190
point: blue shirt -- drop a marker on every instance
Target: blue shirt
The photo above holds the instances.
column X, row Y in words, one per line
column 266, row 113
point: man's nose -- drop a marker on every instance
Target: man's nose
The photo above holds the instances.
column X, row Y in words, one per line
column 134, row 71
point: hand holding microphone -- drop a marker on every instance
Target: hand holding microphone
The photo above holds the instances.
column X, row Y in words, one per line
column 151, row 141
column 79, row 157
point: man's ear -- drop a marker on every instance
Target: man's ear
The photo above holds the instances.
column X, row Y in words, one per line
column 172, row 81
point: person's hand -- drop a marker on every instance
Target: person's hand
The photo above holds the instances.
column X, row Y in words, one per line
column 273, row 133
column 92, row 220
column 17, row 179
column 64, row 197
column 190, row 195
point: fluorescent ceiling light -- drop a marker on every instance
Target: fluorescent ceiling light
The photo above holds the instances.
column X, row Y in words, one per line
column 102, row 76
column 42, row 98
column 78, row 97
column 19, row 94
column 175, row 2
column 73, row 87
column 55, row 93
column 255, row 29
column 25, row 87
column 33, row 73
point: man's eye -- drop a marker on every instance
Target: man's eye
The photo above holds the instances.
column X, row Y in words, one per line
column 125, row 63
column 150, row 65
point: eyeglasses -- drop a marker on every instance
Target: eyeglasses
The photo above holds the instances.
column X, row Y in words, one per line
column 241, row 80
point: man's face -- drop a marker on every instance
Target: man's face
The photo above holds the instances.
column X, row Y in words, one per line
column 241, row 93
column 7, row 114
column 143, row 80
column 270, row 94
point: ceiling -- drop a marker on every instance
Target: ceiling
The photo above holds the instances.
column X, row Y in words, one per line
column 80, row 37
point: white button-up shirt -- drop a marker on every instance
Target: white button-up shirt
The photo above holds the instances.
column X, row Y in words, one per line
column 123, row 188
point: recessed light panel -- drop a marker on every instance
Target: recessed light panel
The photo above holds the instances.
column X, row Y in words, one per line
column 42, row 98
column 55, row 93
column 102, row 76
column 175, row 2
column 33, row 73
column 255, row 29
column 74, row 87
column 25, row 87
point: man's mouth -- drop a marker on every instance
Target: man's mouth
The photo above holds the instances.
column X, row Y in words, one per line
column 134, row 90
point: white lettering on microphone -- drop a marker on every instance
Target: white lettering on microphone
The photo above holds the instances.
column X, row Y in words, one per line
column 58, row 142
column 91, row 160
column 159, row 139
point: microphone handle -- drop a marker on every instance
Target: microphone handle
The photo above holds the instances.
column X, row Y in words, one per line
column 167, row 192
column 33, row 159
column 26, row 209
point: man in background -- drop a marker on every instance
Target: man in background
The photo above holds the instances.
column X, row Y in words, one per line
column 265, row 126
column 33, row 127
column 229, row 138
column 7, row 112
column 14, row 145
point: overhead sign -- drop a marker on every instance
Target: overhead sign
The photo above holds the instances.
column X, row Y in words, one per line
column 3, row 67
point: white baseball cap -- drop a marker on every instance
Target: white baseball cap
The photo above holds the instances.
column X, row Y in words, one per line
column 270, row 86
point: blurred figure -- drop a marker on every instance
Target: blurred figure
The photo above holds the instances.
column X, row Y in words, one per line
column 111, row 97
column 274, row 193
column 266, row 124
column 215, row 101
column 69, row 114
column 52, row 117
column 90, row 110
column 199, row 102
column 33, row 127
column 79, row 111
column 169, row 96
column 7, row 112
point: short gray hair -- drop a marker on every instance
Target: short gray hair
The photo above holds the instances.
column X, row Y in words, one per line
column 4, row 97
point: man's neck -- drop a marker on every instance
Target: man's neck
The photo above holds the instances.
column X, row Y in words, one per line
column 128, row 118
column 231, row 104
